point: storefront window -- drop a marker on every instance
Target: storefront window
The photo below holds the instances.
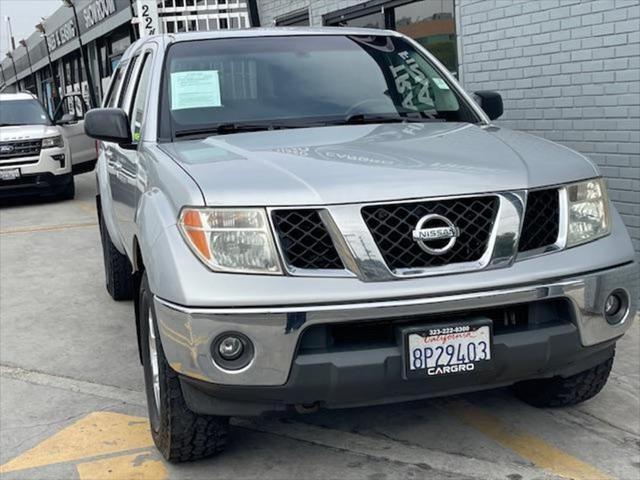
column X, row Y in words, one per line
column 429, row 22
column 432, row 24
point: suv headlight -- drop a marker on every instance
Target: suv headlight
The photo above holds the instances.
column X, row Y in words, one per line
column 235, row 240
column 589, row 216
column 53, row 142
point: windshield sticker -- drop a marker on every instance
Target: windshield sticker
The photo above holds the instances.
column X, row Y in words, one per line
column 440, row 83
column 195, row 89
column 409, row 78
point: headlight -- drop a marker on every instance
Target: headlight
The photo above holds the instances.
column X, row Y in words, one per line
column 53, row 142
column 589, row 216
column 231, row 240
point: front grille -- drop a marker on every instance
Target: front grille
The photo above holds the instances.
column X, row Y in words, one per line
column 541, row 220
column 20, row 148
column 392, row 226
column 305, row 240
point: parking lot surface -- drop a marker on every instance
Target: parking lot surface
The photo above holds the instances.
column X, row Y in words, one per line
column 72, row 402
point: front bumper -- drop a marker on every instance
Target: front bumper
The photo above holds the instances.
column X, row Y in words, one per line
column 38, row 174
column 35, row 184
column 276, row 332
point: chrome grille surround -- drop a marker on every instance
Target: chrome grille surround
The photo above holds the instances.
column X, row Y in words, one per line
column 362, row 258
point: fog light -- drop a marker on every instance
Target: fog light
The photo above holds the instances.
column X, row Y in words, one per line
column 60, row 159
column 616, row 306
column 612, row 305
column 230, row 348
column 232, row 351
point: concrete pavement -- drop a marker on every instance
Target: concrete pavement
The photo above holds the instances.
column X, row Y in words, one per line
column 71, row 401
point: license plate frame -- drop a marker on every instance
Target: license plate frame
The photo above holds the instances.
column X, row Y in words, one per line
column 8, row 174
column 456, row 332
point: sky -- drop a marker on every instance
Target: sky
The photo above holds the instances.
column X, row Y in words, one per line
column 25, row 14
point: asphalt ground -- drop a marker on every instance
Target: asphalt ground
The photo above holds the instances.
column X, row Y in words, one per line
column 72, row 402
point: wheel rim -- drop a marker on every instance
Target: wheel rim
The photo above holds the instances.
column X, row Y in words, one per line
column 155, row 368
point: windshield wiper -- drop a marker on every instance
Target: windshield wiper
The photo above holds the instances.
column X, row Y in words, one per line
column 228, row 128
column 364, row 119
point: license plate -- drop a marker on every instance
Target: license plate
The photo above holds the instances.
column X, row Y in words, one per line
column 9, row 173
column 447, row 349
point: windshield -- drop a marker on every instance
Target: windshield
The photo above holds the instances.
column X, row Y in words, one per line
column 219, row 85
column 22, row 112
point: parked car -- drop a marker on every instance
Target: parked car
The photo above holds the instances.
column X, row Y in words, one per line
column 323, row 218
column 37, row 155
column 70, row 117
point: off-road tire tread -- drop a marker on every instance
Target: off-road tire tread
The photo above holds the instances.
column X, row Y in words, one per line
column 564, row 392
column 117, row 268
column 183, row 435
column 190, row 436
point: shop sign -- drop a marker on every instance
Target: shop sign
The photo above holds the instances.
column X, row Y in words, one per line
column 147, row 17
column 97, row 11
column 62, row 35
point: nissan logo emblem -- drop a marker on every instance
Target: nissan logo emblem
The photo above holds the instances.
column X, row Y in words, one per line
column 435, row 228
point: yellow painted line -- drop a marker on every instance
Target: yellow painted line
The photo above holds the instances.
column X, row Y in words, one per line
column 532, row 448
column 86, row 207
column 47, row 228
column 99, row 433
column 140, row 466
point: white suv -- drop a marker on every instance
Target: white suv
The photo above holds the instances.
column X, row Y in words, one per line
column 38, row 156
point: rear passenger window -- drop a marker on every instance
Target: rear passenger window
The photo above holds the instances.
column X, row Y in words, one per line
column 136, row 114
column 127, row 86
column 113, row 93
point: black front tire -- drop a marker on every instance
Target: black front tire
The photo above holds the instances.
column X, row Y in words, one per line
column 120, row 281
column 564, row 392
column 180, row 434
column 69, row 191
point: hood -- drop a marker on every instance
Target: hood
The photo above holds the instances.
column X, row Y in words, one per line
column 367, row 163
column 27, row 132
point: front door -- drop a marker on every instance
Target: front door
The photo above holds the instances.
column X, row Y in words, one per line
column 125, row 181
column 70, row 118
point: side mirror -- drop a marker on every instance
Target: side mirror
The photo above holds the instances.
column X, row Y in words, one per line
column 108, row 125
column 67, row 118
column 490, row 102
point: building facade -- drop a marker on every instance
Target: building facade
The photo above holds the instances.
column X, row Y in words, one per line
column 198, row 15
column 568, row 70
column 77, row 48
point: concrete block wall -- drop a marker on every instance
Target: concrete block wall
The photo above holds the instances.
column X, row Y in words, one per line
column 569, row 71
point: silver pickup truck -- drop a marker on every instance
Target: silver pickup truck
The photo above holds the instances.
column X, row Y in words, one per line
column 323, row 218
